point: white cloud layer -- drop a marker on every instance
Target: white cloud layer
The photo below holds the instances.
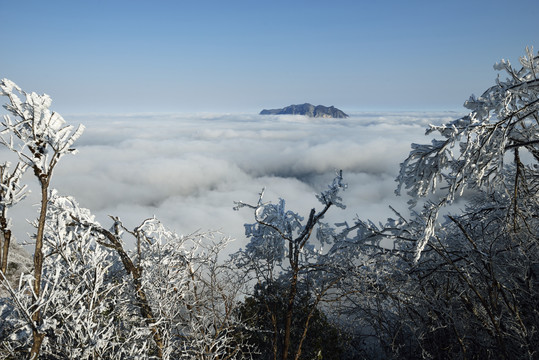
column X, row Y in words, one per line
column 189, row 169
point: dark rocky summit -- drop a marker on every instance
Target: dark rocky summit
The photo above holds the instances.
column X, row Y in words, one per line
column 307, row 110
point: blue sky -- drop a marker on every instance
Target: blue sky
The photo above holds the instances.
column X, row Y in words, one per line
column 196, row 56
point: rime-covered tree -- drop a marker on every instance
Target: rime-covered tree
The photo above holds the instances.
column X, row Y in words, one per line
column 290, row 253
column 40, row 138
column 169, row 298
column 465, row 285
column 91, row 297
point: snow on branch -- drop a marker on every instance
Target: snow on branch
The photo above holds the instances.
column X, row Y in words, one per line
column 472, row 151
column 43, row 136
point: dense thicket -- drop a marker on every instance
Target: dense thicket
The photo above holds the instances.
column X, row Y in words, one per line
column 443, row 282
column 471, row 288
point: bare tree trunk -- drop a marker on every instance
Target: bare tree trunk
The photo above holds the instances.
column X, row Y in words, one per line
column 275, row 337
column 289, row 313
column 38, row 337
column 5, row 237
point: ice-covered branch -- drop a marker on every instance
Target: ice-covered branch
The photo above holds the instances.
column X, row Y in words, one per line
column 471, row 154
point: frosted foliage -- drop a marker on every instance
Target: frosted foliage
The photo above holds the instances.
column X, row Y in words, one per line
column 88, row 297
column 80, row 308
column 191, row 294
column 91, row 303
column 331, row 195
column 189, row 290
column 278, row 230
column 43, row 136
column 72, row 297
column 11, row 189
column 473, row 151
column 317, row 266
column 281, row 247
column 266, row 243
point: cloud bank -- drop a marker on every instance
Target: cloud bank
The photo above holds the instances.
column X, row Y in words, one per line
column 187, row 170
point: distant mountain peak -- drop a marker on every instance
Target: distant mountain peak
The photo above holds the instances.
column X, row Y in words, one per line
column 307, row 110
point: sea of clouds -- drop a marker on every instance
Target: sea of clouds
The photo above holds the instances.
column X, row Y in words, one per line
column 188, row 170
